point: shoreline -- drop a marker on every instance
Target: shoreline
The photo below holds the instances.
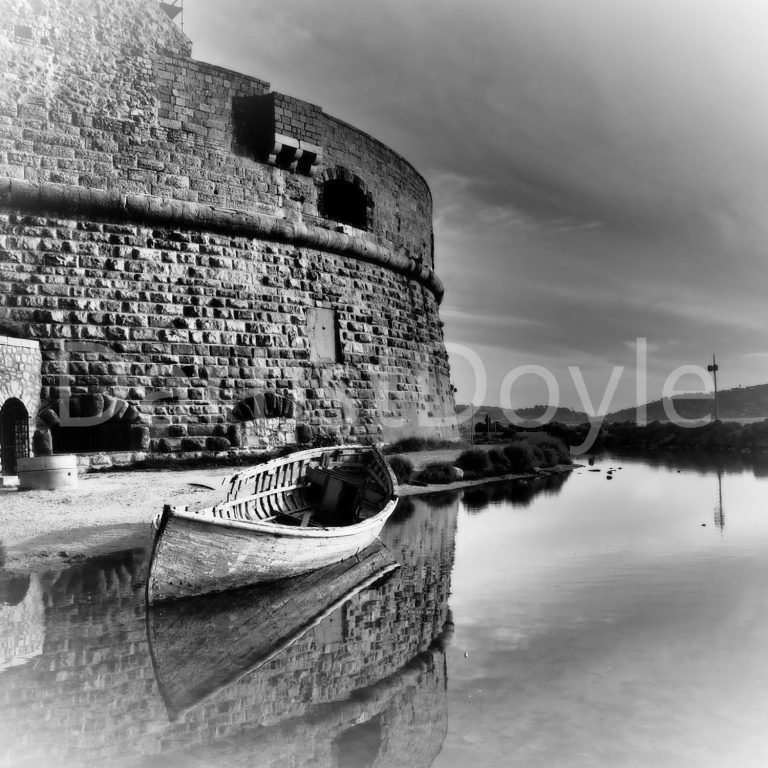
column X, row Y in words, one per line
column 112, row 512
column 418, row 490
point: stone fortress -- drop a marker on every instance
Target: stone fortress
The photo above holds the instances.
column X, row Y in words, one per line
column 190, row 261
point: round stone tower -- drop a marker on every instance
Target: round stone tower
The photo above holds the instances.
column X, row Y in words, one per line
column 205, row 263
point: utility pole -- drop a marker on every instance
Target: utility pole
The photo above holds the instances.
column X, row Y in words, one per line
column 719, row 513
column 713, row 370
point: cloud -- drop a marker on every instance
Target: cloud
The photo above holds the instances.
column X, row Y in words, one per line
column 468, row 318
column 599, row 169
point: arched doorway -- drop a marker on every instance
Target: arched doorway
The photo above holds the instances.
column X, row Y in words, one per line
column 14, row 434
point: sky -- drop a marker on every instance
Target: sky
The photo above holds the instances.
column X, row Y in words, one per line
column 599, row 171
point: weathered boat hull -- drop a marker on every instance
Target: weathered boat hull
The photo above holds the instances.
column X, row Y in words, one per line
column 199, row 646
column 195, row 556
column 279, row 519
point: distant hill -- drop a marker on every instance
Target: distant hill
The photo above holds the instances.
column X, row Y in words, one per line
column 738, row 403
column 562, row 415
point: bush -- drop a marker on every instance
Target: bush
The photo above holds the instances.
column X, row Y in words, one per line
column 519, row 456
column 559, row 453
column 406, row 445
column 548, row 450
column 475, row 461
column 542, row 438
column 402, row 468
column 550, row 456
column 413, row 444
column 499, row 462
column 436, row 472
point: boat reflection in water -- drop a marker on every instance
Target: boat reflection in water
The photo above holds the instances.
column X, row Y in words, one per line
column 200, row 645
column 345, row 670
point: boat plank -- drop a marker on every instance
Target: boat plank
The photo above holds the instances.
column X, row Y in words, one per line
column 241, row 541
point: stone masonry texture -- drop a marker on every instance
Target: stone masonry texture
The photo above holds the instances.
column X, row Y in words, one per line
column 163, row 238
column 20, row 362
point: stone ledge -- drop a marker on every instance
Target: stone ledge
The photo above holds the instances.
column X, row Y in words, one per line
column 8, row 341
column 48, row 197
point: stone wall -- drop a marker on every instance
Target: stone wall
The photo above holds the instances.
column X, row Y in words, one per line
column 20, row 362
column 20, row 376
column 186, row 325
column 170, row 212
column 106, row 97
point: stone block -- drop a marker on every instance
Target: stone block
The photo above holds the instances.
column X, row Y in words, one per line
column 131, row 414
column 42, row 443
column 48, row 417
column 235, row 435
column 138, row 438
column 193, row 444
column 217, row 444
column 92, row 405
column 169, row 446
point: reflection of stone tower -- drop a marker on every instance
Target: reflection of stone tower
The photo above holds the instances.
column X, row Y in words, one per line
column 378, row 661
column 22, row 627
column 401, row 720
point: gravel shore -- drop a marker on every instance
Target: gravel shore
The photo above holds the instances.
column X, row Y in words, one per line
column 105, row 512
column 112, row 511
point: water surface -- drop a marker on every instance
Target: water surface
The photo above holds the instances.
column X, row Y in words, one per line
column 623, row 622
column 575, row 621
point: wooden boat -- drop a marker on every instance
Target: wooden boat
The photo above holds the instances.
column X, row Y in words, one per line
column 201, row 646
column 278, row 519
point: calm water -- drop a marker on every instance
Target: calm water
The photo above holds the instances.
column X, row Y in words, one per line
column 577, row 622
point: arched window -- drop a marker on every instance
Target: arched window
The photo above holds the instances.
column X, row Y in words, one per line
column 343, row 198
column 359, row 746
